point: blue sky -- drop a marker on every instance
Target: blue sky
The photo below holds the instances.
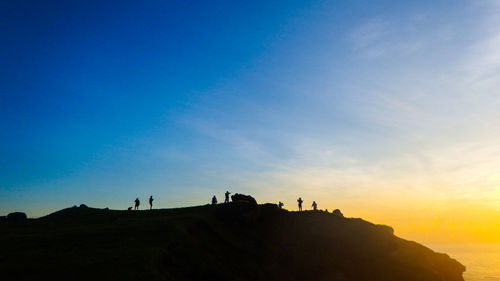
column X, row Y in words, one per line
column 344, row 102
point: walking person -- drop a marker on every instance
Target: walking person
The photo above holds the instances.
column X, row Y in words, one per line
column 226, row 200
column 137, row 203
column 151, row 202
column 315, row 206
column 300, row 201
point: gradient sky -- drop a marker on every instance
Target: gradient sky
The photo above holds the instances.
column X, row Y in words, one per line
column 387, row 110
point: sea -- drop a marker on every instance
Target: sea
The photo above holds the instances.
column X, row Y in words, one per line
column 481, row 260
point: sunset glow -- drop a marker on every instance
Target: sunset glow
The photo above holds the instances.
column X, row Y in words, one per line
column 387, row 111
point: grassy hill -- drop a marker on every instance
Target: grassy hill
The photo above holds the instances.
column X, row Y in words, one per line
column 235, row 241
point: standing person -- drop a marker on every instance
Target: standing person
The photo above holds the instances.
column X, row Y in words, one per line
column 315, row 206
column 300, row 203
column 214, row 200
column 226, row 200
column 280, row 205
column 151, row 202
column 137, row 203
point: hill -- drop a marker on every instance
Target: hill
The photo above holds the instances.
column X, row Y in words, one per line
column 235, row 241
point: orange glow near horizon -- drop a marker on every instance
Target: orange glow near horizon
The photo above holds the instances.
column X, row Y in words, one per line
column 443, row 193
column 416, row 215
column 439, row 224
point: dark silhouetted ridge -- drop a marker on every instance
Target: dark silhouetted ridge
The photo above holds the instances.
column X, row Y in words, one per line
column 233, row 241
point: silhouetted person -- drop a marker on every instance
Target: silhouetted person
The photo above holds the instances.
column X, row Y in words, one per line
column 300, row 203
column 280, row 205
column 151, row 202
column 214, row 200
column 315, row 206
column 226, row 200
column 137, row 203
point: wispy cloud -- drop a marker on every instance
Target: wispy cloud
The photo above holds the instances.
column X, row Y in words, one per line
column 380, row 38
column 429, row 128
column 370, row 33
column 437, row 117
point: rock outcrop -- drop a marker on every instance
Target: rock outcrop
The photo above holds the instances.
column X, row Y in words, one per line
column 337, row 212
column 17, row 217
column 243, row 198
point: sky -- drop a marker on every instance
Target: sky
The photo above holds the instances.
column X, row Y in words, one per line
column 386, row 110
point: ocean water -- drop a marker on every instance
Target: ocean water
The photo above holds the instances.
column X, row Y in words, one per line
column 482, row 260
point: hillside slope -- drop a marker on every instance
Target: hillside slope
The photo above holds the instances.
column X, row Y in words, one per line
column 234, row 241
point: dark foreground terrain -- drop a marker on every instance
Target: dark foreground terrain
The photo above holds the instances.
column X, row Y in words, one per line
column 235, row 241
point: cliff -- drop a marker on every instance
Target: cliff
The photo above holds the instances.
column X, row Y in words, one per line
column 235, row 241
